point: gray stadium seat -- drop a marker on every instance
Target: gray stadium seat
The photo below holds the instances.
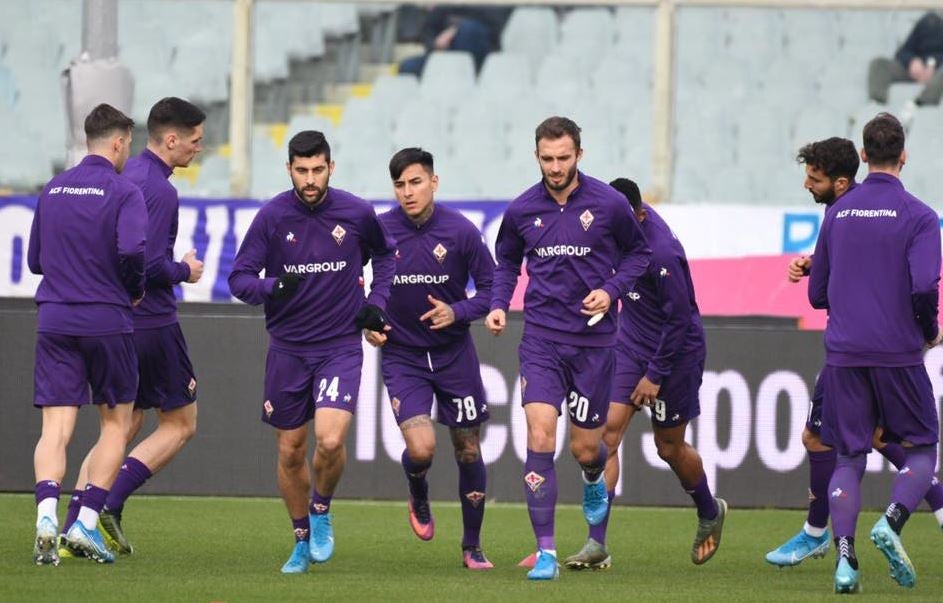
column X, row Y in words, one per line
column 532, row 31
column 448, row 77
column 505, row 76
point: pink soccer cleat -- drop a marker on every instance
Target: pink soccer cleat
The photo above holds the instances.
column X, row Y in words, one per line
column 420, row 519
column 474, row 559
column 529, row 561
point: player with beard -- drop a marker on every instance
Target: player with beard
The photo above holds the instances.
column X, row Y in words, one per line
column 312, row 242
column 830, row 167
column 584, row 250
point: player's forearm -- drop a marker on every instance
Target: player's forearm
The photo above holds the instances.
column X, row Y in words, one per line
column 131, row 271
column 505, row 280
column 247, row 287
column 470, row 310
column 384, row 269
column 163, row 272
column 926, row 307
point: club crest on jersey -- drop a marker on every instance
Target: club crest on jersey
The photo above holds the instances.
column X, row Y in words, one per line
column 586, row 218
column 191, row 388
column 475, row 498
column 440, row 252
column 534, row 480
column 291, row 238
column 538, row 223
column 394, row 402
column 339, row 233
column 269, row 409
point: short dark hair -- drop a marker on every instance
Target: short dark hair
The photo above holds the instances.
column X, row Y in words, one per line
column 835, row 157
column 410, row 156
column 308, row 143
column 173, row 112
column 630, row 190
column 883, row 140
column 556, row 127
column 104, row 120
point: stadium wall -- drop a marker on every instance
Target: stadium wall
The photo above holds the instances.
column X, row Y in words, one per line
column 754, row 402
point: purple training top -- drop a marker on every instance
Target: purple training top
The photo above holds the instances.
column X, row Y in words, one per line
column 591, row 242
column 877, row 271
column 328, row 245
column 660, row 322
column 436, row 259
column 150, row 174
column 88, row 242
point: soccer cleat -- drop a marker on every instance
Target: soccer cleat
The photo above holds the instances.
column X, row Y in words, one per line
column 110, row 524
column 546, row 567
column 709, row 531
column 888, row 542
column 321, row 540
column 420, row 518
column 799, row 548
column 528, row 562
column 44, row 549
column 474, row 558
column 65, row 552
column 846, row 578
column 89, row 543
column 300, row 559
column 595, row 502
column 592, row 556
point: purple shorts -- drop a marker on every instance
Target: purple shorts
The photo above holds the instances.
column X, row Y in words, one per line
column 678, row 399
column 68, row 365
column 451, row 376
column 858, row 399
column 296, row 384
column 166, row 375
column 558, row 373
column 814, row 422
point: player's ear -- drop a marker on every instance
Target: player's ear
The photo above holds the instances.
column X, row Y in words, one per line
column 903, row 158
column 864, row 156
column 330, row 168
column 841, row 184
column 170, row 139
column 579, row 154
column 435, row 182
column 288, row 167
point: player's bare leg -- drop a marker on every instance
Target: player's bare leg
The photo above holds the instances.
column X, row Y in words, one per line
column 330, row 457
column 472, row 481
column 686, row 464
column 49, row 464
column 419, row 435
column 540, row 485
column 294, row 483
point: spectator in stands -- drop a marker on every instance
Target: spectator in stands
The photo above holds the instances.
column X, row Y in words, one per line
column 918, row 60
column 474, row 29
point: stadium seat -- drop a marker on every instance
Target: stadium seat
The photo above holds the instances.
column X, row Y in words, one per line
column 505, row 76
column 532, row 31
column 448, row 77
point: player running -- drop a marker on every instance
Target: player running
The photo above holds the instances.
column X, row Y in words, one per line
column 429, row 353
column 584, row 250
column 313, row 241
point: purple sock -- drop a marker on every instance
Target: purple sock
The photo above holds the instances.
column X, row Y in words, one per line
column 897, row 455
column 844, row 501
column 914, row 479
column 592, row 471
column 319, row 504
column 72, row 513
column 934, row 495
column 416, row 476
column 94, row 498
column 540, row 487
column 598, row 532
column 301, row 527
column 472, row 480
column 132, row 476
column 47, row 489
column 821, row 467
column 703, row 499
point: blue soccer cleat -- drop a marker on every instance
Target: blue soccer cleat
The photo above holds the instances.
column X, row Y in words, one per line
column 888, row 542
column 88, row 543
column 846, row 578
column 595, row 502
column 545, row 568
column 322, row 538
column 300, row 559
column 799, row 548
column 44, row 549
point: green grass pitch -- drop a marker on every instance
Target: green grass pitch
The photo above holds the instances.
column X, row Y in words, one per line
column 231, row 549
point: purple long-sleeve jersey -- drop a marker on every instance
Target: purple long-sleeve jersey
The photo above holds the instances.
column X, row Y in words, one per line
column 660, row 322
column 88, row 242
column 159, row 308
column 591, row 242
column 437, row 259
column 327, row 245
column 877, row 271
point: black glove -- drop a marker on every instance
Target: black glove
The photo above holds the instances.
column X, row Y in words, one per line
column 370, row 317
column 286, row 285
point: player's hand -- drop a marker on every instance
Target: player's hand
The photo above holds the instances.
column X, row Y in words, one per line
column 372, row 318
column 596, row 302
column 935, row 342
column 645, row 393
column 286, row 285
column 798, row 267
column 374, row 338
column 441, row 315
column 496, row 321
column 196, row 266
